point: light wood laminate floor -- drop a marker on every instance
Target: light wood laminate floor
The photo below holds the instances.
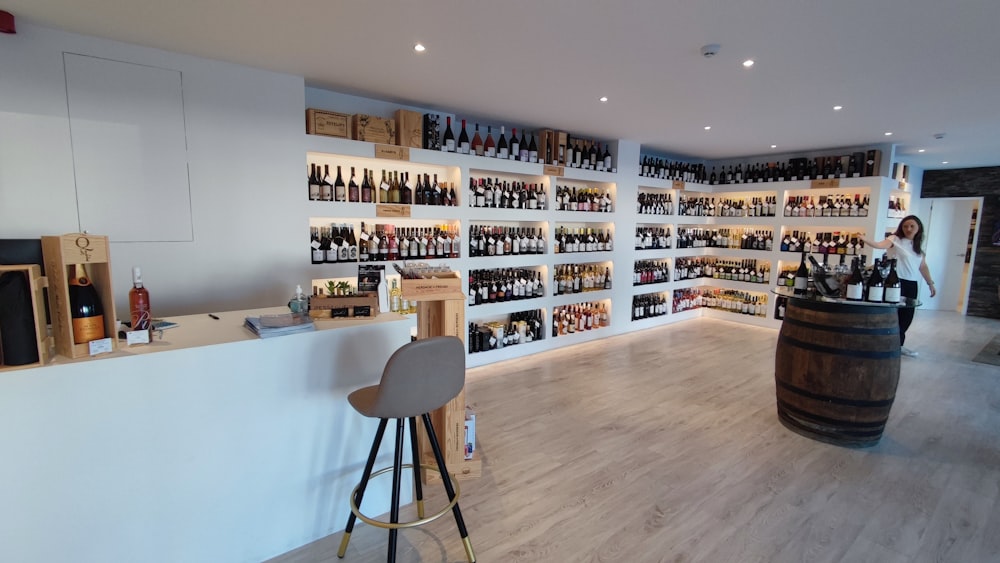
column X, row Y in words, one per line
column 664, row 445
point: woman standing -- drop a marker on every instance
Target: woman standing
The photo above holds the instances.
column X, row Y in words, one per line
column 906, row 246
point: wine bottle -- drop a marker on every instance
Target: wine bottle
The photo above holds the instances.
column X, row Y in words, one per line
column 353, row 192
column 366, row 188
column 515, row 145
column 339, row 188
column 876, row 285
column 477, row 143
column 893, row 287
column 138, row 304
column 449, row 138
column 463, row 140
column 502, row 152
column 317, row 253
column 607, row 159
column 326, row 185
column 523, row 148
column 85, row 307
column 532, row 150
column 314, row 183
column 801, row 277
column 489, row 146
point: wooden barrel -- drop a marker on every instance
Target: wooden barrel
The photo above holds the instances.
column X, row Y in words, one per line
column 836, row 368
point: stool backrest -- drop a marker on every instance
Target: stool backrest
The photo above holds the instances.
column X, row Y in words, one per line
column 421, row 377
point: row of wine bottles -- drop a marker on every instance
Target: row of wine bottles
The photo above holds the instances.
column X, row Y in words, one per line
column 338, row 243
column 587, row 199
column 763, row 206
column 654, row 203
column 649, row 305
column 581, row 239
column 579, row 318
column 519, row 328
column 728, row 300
column 650, row 271
column 499, row 285
column 879, row 285
column 398, row 303
column 835, row 242
column 743, row 239
column 747, row 270
column 664, row 169
column 827, row 206
column 897, row 208
column 484, row 192
column 652, row 238
column 577, row 278
column 576, row 153
column 853, row 165
column 395, row 187
column 497, row 240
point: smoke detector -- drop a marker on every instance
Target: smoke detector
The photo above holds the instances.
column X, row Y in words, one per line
column 709, row 51
column 939, row 136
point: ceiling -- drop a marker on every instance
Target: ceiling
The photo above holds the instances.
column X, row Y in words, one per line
column 913, row 67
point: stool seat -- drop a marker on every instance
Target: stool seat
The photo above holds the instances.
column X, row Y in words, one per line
column 420, row 377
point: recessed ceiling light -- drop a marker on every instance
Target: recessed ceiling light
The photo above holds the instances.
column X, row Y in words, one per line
column 774, row 146
column 921, row 150
column 748, row 63
column 838, row 108
column 944, row 162
column 419, row 47
column 708, row 128
column 888, row 133
column 603, row 99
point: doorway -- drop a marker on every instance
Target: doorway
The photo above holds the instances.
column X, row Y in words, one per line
column 952, row 233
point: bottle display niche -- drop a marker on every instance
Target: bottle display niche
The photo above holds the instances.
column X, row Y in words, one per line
column 727, row 206
column 579, row 278
column 650, row 271
column 505, row 193
column 829, row 205
column 655, row 203
column 583, row 197
column 664, row 169
column 522, row 327
column 652, row 237
column 727, row 300
column 337, row 179
column 758, row 238
column 583, row 237
column 828, row 242
column 506, row 239
column 580, row 317
column 498, row 285
column 854, row 165
column 353, row 242
column 748, row 270
column 649, row 305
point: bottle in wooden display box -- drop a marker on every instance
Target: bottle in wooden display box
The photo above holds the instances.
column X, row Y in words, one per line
column 81, row 300
column 23, row 339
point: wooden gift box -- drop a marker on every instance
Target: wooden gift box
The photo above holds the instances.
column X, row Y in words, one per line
column 409, row 129
column 329, row 123
column 36, row 283
column 322, row 307
column 60, row 252
column 373, row 129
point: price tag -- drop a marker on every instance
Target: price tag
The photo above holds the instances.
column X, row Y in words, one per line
column 137, row 337
column 364, row 235
column 550, row 170
column 677, row 185
column 99, row 346
column 315, row 244
column 392, row 210
column 392, row 152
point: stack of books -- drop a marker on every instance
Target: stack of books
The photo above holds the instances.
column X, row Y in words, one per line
column 267, row 326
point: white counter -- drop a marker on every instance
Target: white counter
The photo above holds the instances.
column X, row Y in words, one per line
column 209, row 446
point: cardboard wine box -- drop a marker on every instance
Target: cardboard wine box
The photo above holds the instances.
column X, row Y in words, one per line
column 373, row 129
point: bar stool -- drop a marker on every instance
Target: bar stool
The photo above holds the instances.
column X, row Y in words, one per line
column 419, row 377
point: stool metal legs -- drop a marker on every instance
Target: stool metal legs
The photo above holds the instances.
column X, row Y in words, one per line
column 446, row 478
column 364, row 483
column 397, row 470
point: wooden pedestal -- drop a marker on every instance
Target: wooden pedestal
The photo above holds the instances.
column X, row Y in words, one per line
column 442, row 313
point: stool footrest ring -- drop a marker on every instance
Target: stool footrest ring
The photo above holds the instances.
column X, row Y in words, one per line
column 413, row 523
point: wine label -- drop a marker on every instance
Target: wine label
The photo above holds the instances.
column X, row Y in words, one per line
column 86, row 329
column 892, row 295
column 876, row 293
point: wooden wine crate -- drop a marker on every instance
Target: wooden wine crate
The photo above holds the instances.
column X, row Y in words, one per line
column 322, row 307
column 60, row 252
column 409, row 129
column 36, row 284
column 373, row 129
column 329, row 123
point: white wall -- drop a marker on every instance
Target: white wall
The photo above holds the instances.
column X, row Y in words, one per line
column 246, row 160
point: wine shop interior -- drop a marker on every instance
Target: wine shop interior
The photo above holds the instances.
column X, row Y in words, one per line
column 645, row 274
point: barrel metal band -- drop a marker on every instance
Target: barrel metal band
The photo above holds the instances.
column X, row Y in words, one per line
column 860, row 428
column 878, row 331
column 834, row 400
column 846, row 308
column 868, row 354
column 837, row 435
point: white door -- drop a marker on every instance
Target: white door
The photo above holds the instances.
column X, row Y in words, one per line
column 946, row 243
